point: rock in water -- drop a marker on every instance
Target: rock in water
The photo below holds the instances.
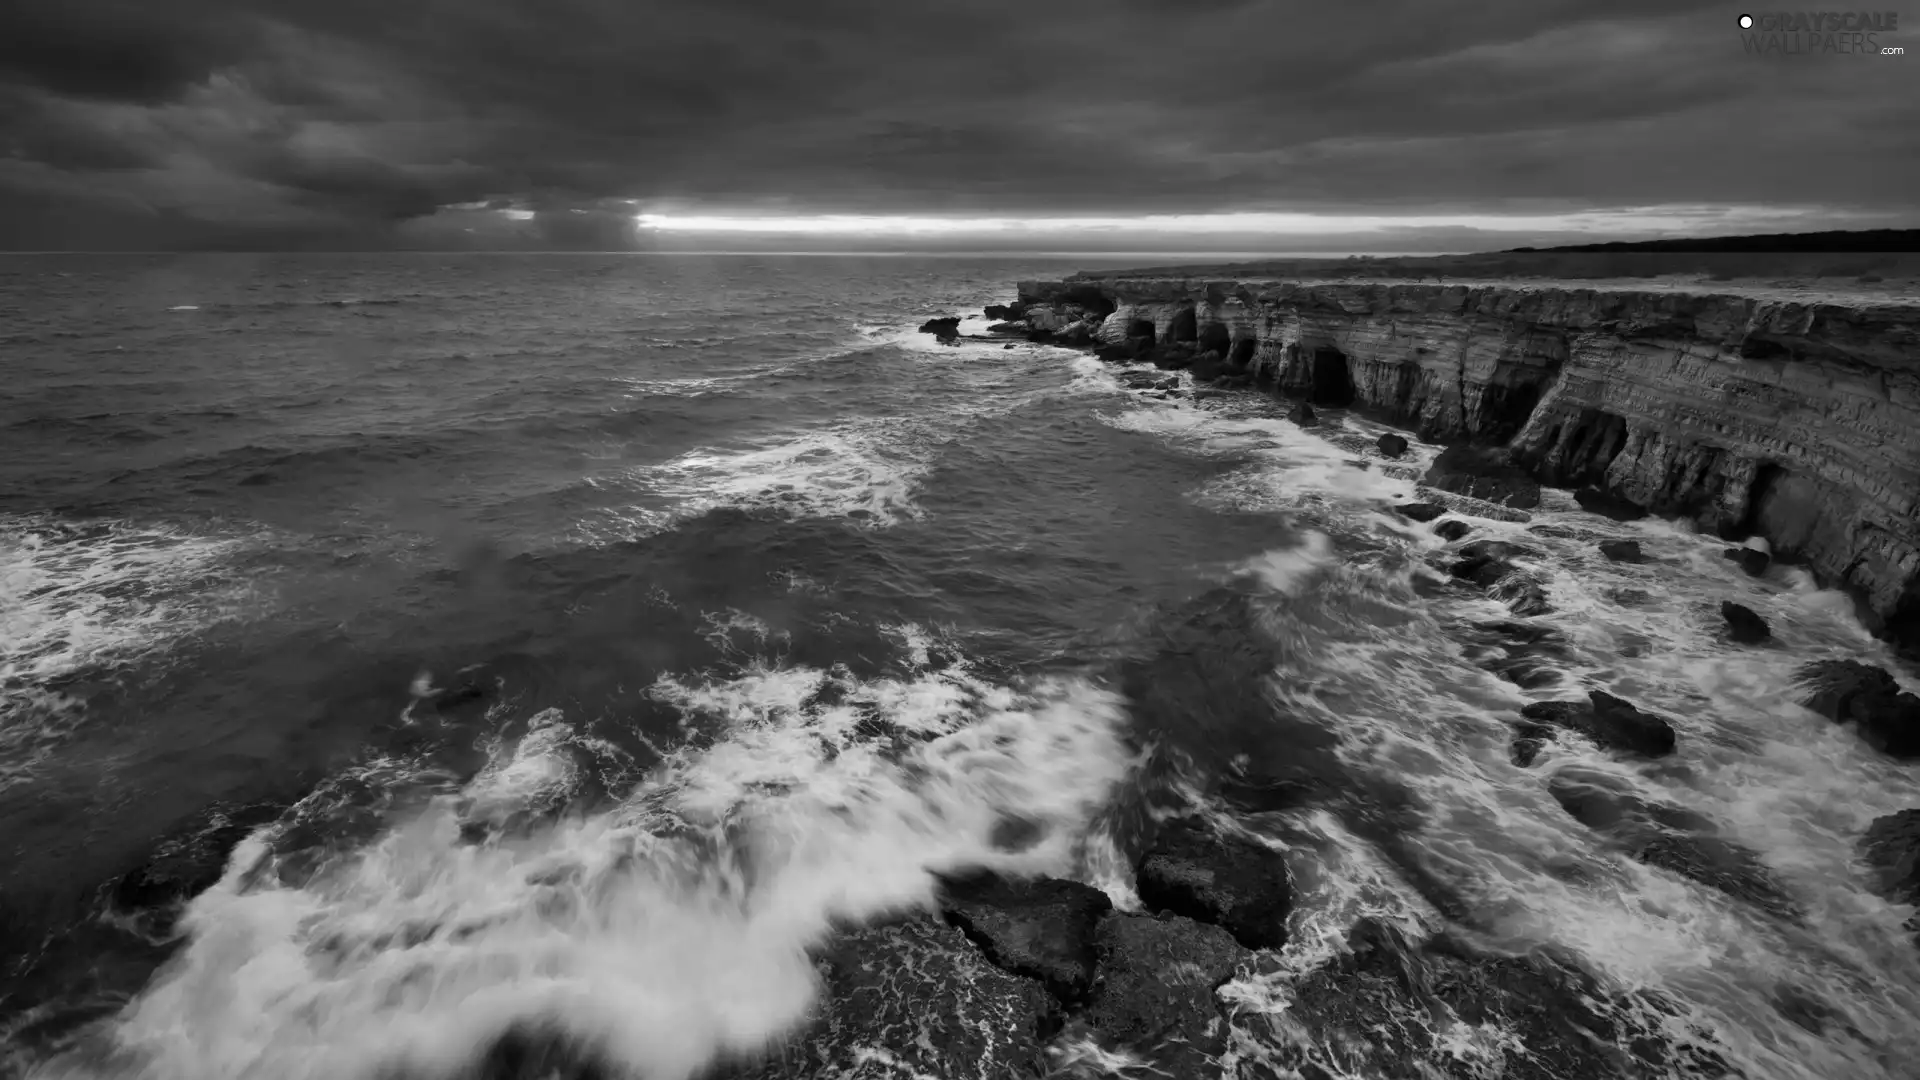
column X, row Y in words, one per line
column 1155, row 990
column 1595, row 501
column 1303, row 415
column 1744, row 626
column 1484, row 473
column 1609, row 721
column 1627, row 551
column 1452, row 530
column 1850, row 692
column 943, row 328
column 1892, row 848
column 1754, row 556
column 1420, row 511
column 921, row 994
column 1522, row 593
column 1041, row 929
column 1530, row 655
column 1227, row 881
column 1393, row 445
column 1670, row 837
column 1484, row 562
column 1391, row 1008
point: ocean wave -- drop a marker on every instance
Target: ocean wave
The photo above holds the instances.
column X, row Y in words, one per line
column 81, row 600
column 666, row 932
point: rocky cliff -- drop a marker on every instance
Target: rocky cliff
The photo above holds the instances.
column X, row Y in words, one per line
column 1750, row 413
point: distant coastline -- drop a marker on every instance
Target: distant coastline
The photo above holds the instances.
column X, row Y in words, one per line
column 1872, row 259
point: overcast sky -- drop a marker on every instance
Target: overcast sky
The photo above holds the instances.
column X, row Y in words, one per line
column 137, row 124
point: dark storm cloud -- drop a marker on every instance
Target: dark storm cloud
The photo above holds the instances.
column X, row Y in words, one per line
column 308, row 121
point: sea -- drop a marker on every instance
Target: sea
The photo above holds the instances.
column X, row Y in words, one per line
column 396, row 649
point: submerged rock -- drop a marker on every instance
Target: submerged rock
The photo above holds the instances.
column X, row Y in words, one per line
column 920, row 994
column 1612, row 723
column 1420, row 511
column 1452, row 530
column 1484, row 473
column 1485, row 563
column 1499, row 549
column 1303, row 414
column 1201, row 684
column 1155, row 991
column 1627, row 551
column 1744, row 625
column 1671, row 838
column 1522, row 593
column 1850, row 692
column 1041, row 929
column 1230, row 882
column 1892, row 848
column 945, row 327
column 1392, row 445
column 1529, row 656
column 1391, row 1008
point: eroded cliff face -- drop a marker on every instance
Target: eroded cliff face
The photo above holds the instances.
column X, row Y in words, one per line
column 1797, row 421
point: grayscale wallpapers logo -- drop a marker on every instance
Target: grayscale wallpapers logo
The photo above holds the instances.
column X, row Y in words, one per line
column 1797, row 33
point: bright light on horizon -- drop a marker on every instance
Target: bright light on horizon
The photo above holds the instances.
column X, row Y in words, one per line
column 1637, row 219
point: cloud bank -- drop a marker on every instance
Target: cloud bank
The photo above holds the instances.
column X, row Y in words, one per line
column 138, row 124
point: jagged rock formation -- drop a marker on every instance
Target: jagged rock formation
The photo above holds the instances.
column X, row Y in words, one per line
column 1610, row 722
column 915, row 992
column 1849, row 692
column 1892, row 847
column 1796, row 421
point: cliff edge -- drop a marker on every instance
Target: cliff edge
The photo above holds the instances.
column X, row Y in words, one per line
column 1748, row 411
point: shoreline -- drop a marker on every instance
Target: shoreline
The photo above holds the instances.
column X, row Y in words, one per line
column 1748, row 411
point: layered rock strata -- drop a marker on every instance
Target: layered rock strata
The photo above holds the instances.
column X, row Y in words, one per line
column 1752, row 415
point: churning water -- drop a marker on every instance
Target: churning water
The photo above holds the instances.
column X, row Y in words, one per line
column 396, row 652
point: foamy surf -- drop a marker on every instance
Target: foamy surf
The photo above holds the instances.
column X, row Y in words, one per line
column 865, row 470
column 96, row 597
column 1371, row 660
column 1287, row 468
column 665, row 932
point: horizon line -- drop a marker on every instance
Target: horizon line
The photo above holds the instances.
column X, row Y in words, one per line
column 981, row 253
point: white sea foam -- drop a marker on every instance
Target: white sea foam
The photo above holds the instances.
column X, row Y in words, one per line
column 667, row 931
column 1288, row 467
column 75, row 599
column 868, row 467
column 1382, row 669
